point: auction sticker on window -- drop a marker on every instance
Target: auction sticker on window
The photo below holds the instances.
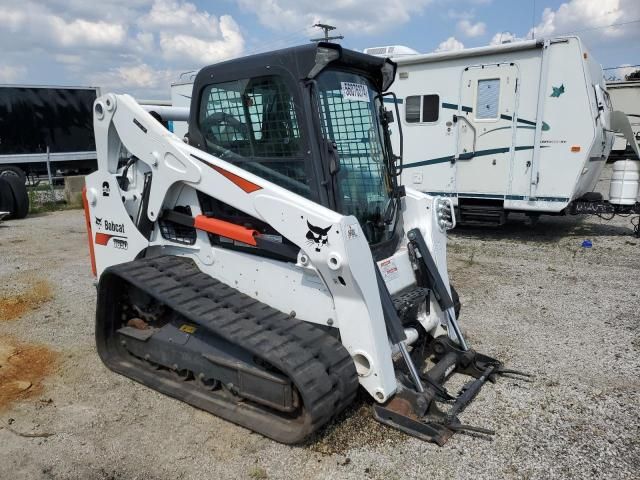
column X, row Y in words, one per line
column 354, row 91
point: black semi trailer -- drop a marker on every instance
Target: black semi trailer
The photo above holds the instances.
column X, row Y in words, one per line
column 40, row 123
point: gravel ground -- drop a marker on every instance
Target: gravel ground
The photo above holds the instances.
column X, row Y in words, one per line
column 531, row 296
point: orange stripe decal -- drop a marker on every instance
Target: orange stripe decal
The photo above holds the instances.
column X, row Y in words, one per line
column 102, row 238
column 87, row 218
column 226, row 229
column 245, row 185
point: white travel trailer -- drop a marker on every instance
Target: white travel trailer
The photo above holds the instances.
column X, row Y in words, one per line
column 625, row 96
column 520, row 126
column 181, row 97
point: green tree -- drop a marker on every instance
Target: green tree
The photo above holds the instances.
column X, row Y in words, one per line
column 633, row 75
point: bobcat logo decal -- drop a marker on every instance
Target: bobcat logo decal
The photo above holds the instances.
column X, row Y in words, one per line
column 317, row 236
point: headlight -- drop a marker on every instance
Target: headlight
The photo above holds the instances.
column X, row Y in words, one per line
column 445, row 214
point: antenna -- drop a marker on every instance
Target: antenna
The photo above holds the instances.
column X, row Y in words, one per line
column 327, row 29
column 533, row 21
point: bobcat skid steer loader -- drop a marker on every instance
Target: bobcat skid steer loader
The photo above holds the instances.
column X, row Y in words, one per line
column 272, row 265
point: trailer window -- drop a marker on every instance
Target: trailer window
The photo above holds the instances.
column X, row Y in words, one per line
column 412, row 109
column 422, row 108
column 488, row 98
column 430, row 108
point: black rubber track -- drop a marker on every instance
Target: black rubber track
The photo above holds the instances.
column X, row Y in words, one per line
column 317, row 364
column 6, row 197
column 20, row 196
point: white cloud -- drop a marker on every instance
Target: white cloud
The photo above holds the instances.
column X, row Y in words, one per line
column 205, row 51
column 50, row 29
column 590, row 16
column 85, row 33
column 350, row 16
column 11, row 74
column 118, row 44
column 460, row 15
column 590, row 19
column 451, row 44
column 139, row 76
column 181, row 16
column 12, row 19
column 142, row 80
column 471, row 29
column 505, row 37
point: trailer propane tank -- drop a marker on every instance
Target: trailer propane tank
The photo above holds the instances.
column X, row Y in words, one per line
column 625, row 182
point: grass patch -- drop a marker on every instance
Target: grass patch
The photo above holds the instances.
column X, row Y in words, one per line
column 258, row 473
column 40, row 200
column 471, row 260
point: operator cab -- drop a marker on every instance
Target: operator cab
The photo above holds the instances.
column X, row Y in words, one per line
column 310, row 119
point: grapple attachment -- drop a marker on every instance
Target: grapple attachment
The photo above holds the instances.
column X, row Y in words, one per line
column 422, row 406
column 432, row 414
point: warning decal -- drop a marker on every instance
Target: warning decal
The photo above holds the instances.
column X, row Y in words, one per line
column 389, row 270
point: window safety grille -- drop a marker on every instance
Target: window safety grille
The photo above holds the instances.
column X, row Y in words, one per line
column 351, row 124
column 252, row 123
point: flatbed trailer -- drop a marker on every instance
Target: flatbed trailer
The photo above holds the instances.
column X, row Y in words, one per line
column 41, row 124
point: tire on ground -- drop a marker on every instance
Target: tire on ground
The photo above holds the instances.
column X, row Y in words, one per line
column 12, row 171
column 20, row 196
column 6, row 197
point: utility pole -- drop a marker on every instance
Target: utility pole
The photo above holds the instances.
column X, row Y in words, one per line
column 327, row 29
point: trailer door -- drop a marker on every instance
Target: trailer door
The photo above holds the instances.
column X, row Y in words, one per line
column 485, row 128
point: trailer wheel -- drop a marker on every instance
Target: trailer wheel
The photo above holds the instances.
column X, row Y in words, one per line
column 6, row 197
column 12, row 171
column 18, row 190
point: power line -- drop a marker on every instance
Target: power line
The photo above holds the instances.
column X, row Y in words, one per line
column 602, row 26
column 621, row 66
column 296, row 37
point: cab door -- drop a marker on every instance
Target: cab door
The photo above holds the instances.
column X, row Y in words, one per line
column 485, row 128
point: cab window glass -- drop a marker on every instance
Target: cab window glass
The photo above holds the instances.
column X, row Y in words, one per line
column 252, row 123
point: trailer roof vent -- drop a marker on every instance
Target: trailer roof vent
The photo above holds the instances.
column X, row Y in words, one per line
column 391, row 51
column 376, row 51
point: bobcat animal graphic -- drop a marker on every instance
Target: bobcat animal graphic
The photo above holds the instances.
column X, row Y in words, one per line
column 317, row 236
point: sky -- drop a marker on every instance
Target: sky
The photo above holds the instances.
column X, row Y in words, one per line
column 141, row 46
